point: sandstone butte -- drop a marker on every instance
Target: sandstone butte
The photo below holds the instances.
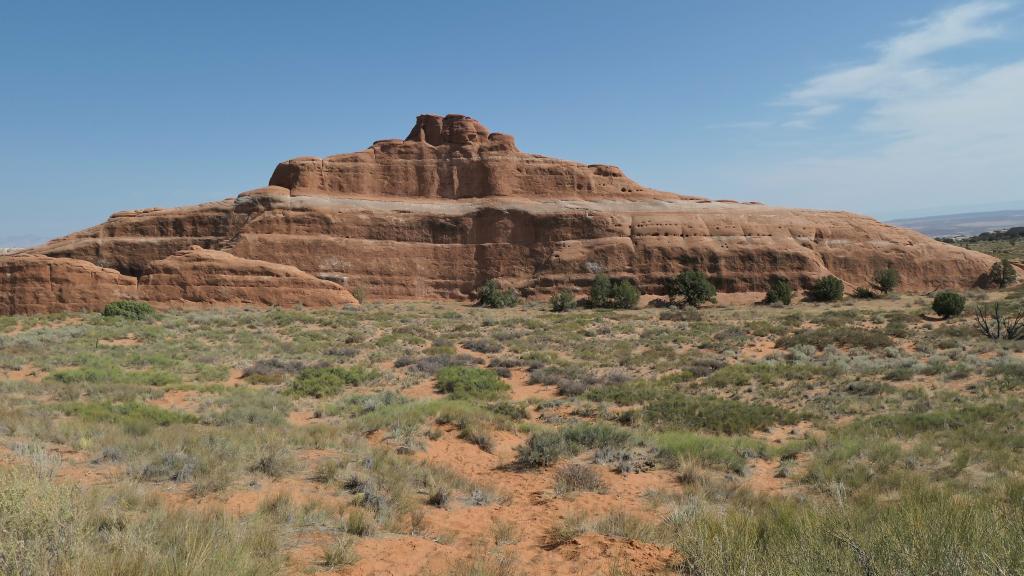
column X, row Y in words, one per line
column 437, row 214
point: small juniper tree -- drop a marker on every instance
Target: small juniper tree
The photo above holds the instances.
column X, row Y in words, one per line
column 491, row 295
column 827, row 289
column 600, row 291
column 624, row 294
column 563, row 301
column 131, row 309
column 948, row 304
column 780, row 291
column 693, row 286
column 887, row 280
column 1003, row 274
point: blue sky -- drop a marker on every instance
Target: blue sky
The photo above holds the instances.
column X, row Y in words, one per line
column 887, row 108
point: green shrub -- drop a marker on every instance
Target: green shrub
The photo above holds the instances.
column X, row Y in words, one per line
column 600, row 291
column 563, row 301
column 470, row 382
column 618, row 293
column 328, row 381
column 693, row 286
column 948, row 304
column 780, row 291
column 624, row 295
column 130, row 309
column 887, row 280
column 713, row 414
column 863, row 293
column 542, row 448
column 1002, row 274
column 491, row 295
column 827, row 289
column 546, row 447
column 578, row 478
column 826, row 336
column 134, row 417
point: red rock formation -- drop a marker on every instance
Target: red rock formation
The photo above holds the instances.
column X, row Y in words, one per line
column 34, row 284
column 200, row 276
column 453, row 204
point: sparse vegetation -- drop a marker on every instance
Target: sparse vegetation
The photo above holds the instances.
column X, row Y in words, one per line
column 797, row 440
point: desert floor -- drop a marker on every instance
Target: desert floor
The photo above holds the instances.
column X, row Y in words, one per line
column 859, row 437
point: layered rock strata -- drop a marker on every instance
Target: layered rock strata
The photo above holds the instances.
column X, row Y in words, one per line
column 436, row 214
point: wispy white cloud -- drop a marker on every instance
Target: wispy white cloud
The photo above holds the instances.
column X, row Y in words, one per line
column 901, row 67
column 924, row 134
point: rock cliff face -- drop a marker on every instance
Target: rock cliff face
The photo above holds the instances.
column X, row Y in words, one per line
column 199, row 276
column 436, row 214
column 33, row 284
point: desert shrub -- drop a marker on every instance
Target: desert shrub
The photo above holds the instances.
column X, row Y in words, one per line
column 510, row 410
column 470, row 382
column 431, row 364
column 492, row 295
column 728, row 453
column 274, row 460
column 624, row 295
column 827, row 289
column 272, row 370
column 133, row 417
column 546, row 447
column 600, row 291
column 250, row 406
column 578, row 478
column 618, row 293
column 693, row 286
column 330, row 380
column 1002, row 274
column 130, row 309
column 58, row 528
column 587, row 435
column 927, row 530
column 948, row 304
column 340, row 553
column 563, row 301
column 780, row 291
column 483, row 345
column 570, row 380
column 826, row 336
column 887, row 280
column 998, row 324
column 863, row 293
column 542, row 448
column 713, row 414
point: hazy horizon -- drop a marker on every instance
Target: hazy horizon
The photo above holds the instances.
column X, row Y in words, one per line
column 891, row 111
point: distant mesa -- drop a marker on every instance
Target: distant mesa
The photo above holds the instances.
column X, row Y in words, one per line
column 435, row 215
